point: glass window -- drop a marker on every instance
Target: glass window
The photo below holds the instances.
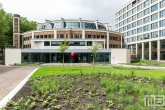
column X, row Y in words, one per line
column 154, row 7
column 152, row 1
column 120, row 30
column 57, row 25
column 116, row 26
column 125, row 34
column 89, row 43
column 139, row 15
column 89, row 25
column 146, row 11
column 133, row 31
column 124, row 28
column 128, row 13
column 146, row 36
column 154, row 16
column 133, row 10
column 54, row 43
column 146, row 20
column 162, row 33
column 116, row 15
column 124, row 22
column 139, row 37
column 139, row 30
column 133, row 17
column 129, row 20
column 146, row 28
column 133, row 24
column 162, row 23
column 61, row 35
column 46, row 43
column 71, row 25
column 154, row 25
column 124, row 16
column 154, row 34
column 128, row 40
column 162, row 4
column 129, row 6
column 128, row 26
column 128, row 33
column 139, row 7
column 120, row 24
column 82, row 43
column 124, row 10
column 146, row 3
column 139, row 22
column 134, row 39
column 120, row 12
column 120, row 18
column 162, row 13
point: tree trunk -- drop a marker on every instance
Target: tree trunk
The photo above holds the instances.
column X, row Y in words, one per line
column 63, row 61
column 93, row 62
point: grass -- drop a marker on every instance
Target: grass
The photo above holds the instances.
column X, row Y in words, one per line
column 147, row 63
column 27, row 64
column 57, row 70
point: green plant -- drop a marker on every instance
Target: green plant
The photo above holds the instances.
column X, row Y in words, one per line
column 32, row 105
column 90, row 106
column 110, row 103
column 57, row 107
column 45, row 103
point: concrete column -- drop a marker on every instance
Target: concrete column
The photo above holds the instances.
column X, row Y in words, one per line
column 55, row 34
column 158, row 50
column 136, row 49
column 142, row 50
column 108, row 40
column 32, row 35
column 150, row 52
column 104, row 44
column 83, row 34
column 121, row 42
column 131, row 49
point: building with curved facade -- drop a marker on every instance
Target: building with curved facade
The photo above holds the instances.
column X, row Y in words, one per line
column 42, row 45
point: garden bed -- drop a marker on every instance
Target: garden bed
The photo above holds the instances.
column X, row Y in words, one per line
column 95, row 91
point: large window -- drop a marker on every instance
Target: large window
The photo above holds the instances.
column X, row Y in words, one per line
column 57, row 25
column 139, row 22
column 146, row 36
column 146, row 3
column 128, row 26
column 133, row 17
column 154, row 7
column 146, row 28
column 128, row 33
column 128, row 13
column 124, row 22
column 154, row 34
column 89, row 25
column 116, row 26
column 117, row 14
column 54, row 43
column 61, row 35
column 162, row 4
column 133, row 31
column 133, row 24
column 139, row 30
column 134, row 39
column 154, row 25
column 162, row 33
column 120, row 12
column 133, row 10
column 146, row 11
column 129, row 6
column 129, row 20
column 139, row 7
column 154, row 16
column 162, row 23
column 124, row 16
column 152, row 1
column 124, row 10
column 120, row 18
column 124, row 28
column 146, row 20
column 162, row 13
column 116, row 20
column 128, row 40
column 46, row 43
column 71, row 25
column 139, row 15
column 139, row 37
column 120, row 24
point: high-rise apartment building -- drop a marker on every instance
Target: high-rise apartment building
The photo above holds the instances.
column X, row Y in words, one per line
column 143, row 24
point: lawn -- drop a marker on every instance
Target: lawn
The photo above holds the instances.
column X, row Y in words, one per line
column 88, row 88
column 56, row 70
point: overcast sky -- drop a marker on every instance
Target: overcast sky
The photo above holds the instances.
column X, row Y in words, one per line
column 39, row 10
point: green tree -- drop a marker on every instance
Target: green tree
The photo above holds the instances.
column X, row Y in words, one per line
column 62, row 48
column 94, row 50
column 4, row 27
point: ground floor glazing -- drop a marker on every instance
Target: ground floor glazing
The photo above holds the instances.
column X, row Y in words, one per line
column 57, row 58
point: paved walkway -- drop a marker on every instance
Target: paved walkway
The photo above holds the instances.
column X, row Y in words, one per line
column 11, row 76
